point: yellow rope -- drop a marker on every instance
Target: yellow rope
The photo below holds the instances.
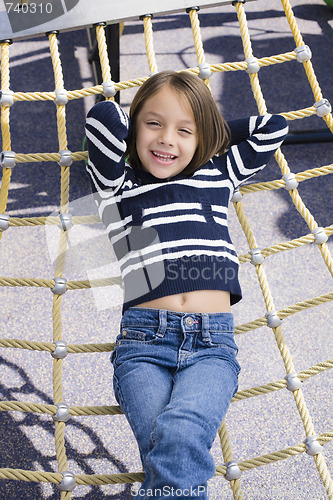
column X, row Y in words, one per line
column 51, row 410
column 5, row 128
column 195, row 24
column 148, row 32
column 103, row 55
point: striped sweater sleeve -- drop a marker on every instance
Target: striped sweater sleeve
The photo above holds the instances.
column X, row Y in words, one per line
column 107, row 128
column 254, row 141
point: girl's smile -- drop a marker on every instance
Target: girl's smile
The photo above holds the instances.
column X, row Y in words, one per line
column 166, row 134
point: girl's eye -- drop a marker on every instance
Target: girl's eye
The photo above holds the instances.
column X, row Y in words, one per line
column 185, row 131
column 154, row 124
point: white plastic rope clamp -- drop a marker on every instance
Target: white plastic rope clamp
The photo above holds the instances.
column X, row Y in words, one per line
column 6, row 98
column 323, row 107
column 109, row 90
column 312, row 446
column 205, row 71
column 320, row 235
column 303, row 53
column 256, row 256
column 290, row 180
column 7, row 159
column 252, row 65
column 65, row 221
column 237, row 196
column 293, row 382
column 61, row 97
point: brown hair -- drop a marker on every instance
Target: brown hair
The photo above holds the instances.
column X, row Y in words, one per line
column 213, row 131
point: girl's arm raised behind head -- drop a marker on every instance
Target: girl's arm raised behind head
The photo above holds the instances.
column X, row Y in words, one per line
column 107, row 128
column 254, row 141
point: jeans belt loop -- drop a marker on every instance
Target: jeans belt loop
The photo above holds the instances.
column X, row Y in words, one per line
column 163, row 318
column 205, row 327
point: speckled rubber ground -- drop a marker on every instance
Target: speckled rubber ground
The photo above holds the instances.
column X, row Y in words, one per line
column 257, row 426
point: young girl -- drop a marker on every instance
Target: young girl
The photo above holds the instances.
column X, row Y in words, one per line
column 175, row 367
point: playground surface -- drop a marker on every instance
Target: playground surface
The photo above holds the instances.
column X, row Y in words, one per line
column 257, row 426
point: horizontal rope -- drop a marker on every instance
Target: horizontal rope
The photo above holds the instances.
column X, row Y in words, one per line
column 287, row 245
column 280, row 183
column 276, row 456
column 115, row 409
column 283, row 313
column 70, row 284
column 121, row 478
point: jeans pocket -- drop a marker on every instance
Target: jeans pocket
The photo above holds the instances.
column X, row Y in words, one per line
column 140, row 334
column 222, row 339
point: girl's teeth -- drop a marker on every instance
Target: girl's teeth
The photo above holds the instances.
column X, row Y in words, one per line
column 165, row 157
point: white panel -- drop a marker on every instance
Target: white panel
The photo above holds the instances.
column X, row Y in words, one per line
column 36, row 17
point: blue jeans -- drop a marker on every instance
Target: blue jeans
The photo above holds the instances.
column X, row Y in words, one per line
column 174, row 376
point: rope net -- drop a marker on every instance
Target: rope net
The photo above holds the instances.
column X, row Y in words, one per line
column 313, row 442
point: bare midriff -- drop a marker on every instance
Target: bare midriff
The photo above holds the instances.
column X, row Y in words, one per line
column 199, row 301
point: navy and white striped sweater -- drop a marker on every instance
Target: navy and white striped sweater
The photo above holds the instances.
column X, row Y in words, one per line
column 172, row 236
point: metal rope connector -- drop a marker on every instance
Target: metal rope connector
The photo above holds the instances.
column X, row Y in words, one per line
column 62, row 414
column 59, row 286
column 65, row 158
column 6, row 98
column 4, row 222
column 257, row 257
column 233, row 471
column 68, row 482
column 273, row 320
column 7, row 159
column 60, row 351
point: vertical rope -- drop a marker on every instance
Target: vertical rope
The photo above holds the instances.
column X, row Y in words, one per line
column 148, row 33
column 285, row 353
column 103, row 55
column 60, row 262
column 196, row 32
column 227, row 457
column 329, row 121
column 307, row 64
column 5, row 127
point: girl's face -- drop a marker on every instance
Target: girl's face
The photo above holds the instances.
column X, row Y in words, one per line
column 166, row 134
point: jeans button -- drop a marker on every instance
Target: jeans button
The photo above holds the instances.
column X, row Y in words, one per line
column 189, row 321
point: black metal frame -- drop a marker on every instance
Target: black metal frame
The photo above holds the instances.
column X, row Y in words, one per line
column 112, row 42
